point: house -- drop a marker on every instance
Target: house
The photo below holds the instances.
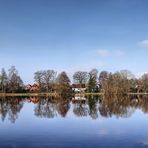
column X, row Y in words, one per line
column 79, row 88
column 32, row 88
column 28, row 87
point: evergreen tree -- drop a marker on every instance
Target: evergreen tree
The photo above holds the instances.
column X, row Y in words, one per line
column 92, row 82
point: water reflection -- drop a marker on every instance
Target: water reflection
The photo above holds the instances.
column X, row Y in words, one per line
column 78, row 106
column 10, row 107
column 51, row 107
column 119, row 107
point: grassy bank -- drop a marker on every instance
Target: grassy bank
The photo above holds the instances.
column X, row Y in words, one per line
column 137, row 93
column 42, row 94
column 89, row 94
column 54, row 94
column 27, row 94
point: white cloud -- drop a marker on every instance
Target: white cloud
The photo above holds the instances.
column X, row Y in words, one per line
column 106, row 53
column 103, row 52
column 144, row 43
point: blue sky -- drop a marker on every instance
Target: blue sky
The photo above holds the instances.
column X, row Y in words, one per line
column 73, row 35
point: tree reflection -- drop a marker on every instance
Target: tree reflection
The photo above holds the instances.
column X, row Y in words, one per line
column 142, row 103
column 123, row 106
column 80, row 110
column 120, row 106
column 93, row 106
column 83, row 106
column 63, row 107
column 10, row 107
column 51, row 107
column 86, row 106
column 45, row 108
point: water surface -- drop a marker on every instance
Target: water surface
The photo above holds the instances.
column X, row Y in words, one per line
column 90, row 122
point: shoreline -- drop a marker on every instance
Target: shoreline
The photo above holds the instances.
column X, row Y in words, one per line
column 54, row 94
column 26, row 94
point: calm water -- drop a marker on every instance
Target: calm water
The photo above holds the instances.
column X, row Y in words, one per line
column 65, row 123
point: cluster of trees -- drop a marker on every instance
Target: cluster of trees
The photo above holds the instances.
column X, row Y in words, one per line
column 49, row 81
column 90, row 79
column 120, row 82
column 45, row 79
column 11, row 81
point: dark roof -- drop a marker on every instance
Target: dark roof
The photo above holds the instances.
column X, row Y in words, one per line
column 78, row 86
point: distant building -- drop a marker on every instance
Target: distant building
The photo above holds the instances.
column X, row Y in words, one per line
column 32, row 88
column 79, row 88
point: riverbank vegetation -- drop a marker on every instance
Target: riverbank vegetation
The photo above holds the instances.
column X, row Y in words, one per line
column 50, row 82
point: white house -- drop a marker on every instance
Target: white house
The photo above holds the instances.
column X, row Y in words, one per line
column 79, row 88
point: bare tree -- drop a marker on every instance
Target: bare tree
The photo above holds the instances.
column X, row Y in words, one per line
column 15, row 81
column 126, row 74
column 48, row 78
column 3, row 80
column 144, row 80
column 38, row 78
column 45, row 79
column 116, row 83
column 80, row 77
column 103, row 77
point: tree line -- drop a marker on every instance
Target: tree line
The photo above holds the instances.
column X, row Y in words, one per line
column 120, row 82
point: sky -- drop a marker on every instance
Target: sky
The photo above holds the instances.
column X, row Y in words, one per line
column 71, row 35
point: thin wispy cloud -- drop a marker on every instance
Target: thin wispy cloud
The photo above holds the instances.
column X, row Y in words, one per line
column 107, row 53
column 103, row 52
column 144, row 43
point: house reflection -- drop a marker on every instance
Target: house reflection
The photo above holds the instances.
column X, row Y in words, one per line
column 33, row 99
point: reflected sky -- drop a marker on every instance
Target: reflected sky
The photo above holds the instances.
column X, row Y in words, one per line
column 94, row 122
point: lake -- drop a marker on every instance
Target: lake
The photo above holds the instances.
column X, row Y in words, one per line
column 90, row 122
